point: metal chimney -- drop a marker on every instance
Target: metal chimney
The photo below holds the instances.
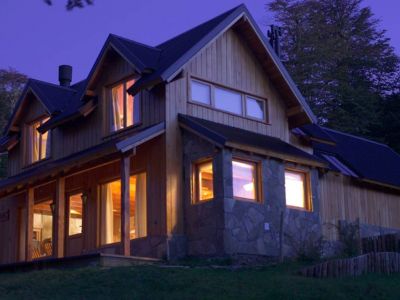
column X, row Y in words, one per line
column 274, row 38
column 65, row 75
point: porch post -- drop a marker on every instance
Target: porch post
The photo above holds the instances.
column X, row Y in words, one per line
column 59, row 216
column 125, row 205
column 29, row 223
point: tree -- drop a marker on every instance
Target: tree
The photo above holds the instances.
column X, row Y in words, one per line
column 71, row 4
column 11, row 86
column 341, row 61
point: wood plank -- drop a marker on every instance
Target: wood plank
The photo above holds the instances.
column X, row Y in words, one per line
column 125, row 205
column 29, row 223
column 59, row 218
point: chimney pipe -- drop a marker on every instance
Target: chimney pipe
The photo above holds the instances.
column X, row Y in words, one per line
column 65, row 75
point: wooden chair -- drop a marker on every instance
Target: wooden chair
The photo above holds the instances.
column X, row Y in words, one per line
column 35, row 252
column 48, row 247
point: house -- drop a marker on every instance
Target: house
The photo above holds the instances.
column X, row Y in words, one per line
column 201, row 145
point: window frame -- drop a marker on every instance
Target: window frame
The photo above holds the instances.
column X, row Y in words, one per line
column 108, row 180
column 69, row 194
column 53, row 202
column 28, row 130
column 243, row 94
column 258, row 179
column 109, row 88
column 195, row 192
column 308, row 205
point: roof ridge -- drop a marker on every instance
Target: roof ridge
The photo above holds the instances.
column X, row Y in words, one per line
column 136, row 42
column 52, row 84
column 356, row 137
column 201, row 24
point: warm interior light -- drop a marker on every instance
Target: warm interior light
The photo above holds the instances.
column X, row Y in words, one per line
column 249, row 187
column 294, row 188
column 205, row 184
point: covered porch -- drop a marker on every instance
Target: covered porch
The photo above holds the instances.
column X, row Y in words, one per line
column 107, row 199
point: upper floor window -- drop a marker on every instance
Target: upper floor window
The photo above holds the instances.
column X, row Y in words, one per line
column 297, row 189
column 228, row 100
column 38, row 144
column 125, row 108
column 246, row 180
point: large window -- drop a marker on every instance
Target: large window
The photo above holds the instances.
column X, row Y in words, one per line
column 203, row 181
column 228, row 100
column 38, row 144
column 75, row 214
column 42, row 244
column 110, row 208
column 125, row 108
column 245, row 180
column 297, row 189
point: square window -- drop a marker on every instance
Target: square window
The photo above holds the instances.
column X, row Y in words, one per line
column 201, row 92
column 228, row 101
column 203, row 181
column 255, row 108
column 296, row 189
column 245, row 180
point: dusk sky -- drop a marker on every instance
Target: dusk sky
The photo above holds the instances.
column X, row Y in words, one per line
column 36, row 38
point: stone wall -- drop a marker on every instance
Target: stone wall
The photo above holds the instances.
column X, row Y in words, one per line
column 227, row 226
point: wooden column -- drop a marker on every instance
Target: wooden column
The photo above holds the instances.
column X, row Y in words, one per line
column 125, row 205
column 29, row 223
column 59, row 218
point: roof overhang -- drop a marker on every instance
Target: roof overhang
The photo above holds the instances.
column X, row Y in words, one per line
column 219, row 139
column 65, row 166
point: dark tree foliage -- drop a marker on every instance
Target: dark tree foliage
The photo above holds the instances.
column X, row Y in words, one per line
column 341, row 61
column 71, row 4
column 11, row 85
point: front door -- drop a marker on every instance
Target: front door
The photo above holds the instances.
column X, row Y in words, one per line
column 74, row 233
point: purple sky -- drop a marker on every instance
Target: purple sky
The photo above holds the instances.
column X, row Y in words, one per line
column 36, row 38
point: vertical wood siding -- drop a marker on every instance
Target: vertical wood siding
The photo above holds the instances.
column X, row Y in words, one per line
column 228, row 61
column 344, row 199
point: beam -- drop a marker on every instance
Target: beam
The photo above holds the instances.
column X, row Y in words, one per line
column 59, row 218
column 294, row 111
column 125, row 205
column 29, row 223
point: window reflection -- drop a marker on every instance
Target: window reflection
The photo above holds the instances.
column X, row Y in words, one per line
column 244, row 180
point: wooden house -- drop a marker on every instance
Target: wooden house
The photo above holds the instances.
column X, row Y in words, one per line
column 201, row 145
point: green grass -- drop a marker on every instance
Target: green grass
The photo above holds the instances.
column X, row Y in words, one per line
column 149, row 282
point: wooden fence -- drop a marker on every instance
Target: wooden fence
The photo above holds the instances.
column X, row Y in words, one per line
column 383, row 262
column 381, row 243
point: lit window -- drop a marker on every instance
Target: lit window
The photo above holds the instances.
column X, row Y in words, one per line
column 245, row 181
column 125, row 107
column 38, row 143
column 255, row 108
column 110, row 193
column 42, row 244
column 203, row 181
column 75, row 214
column 201, row 92
column 228, row 100
column 296, row 189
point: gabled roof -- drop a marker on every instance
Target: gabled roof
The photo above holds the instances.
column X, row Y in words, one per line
column 54, row 98
column 223, row 135
column 368, row 160
column 176, row 52
column 162, row 62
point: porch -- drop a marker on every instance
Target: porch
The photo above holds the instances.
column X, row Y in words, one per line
column 107, row 201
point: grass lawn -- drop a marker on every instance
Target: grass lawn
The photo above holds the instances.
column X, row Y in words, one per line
column 150, row 282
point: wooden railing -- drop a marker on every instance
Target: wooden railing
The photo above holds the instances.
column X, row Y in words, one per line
column 383, row 262
column 381, row 243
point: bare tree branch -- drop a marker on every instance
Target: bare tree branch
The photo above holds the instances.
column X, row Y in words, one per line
column 71, row 4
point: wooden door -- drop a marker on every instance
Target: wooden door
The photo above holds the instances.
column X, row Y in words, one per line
column 75, row 224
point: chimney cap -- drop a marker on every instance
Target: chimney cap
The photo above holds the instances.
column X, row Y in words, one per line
column 65, row 75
